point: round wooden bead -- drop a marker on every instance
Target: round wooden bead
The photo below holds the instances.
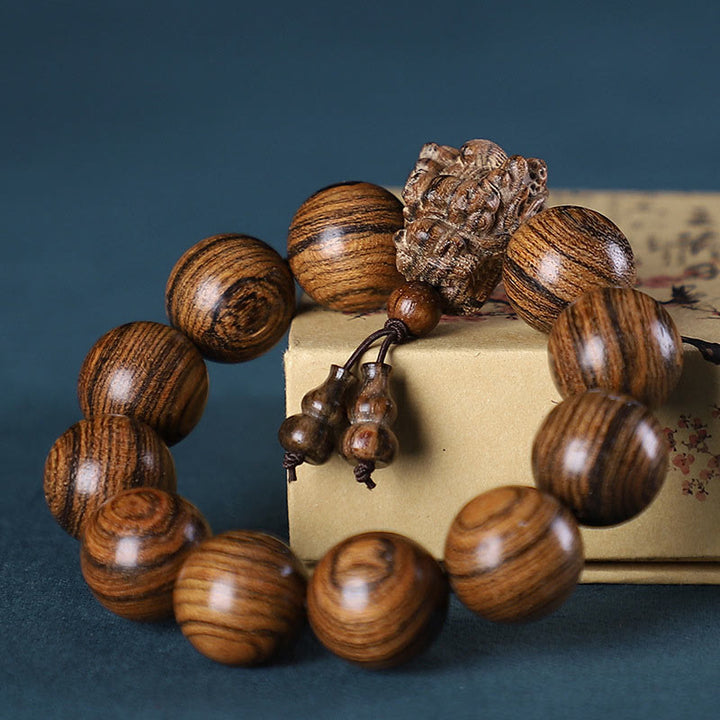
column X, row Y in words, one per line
column 232, row 295
column 149, row 371
column 96, row 459
column 617, row 339
column 559, row 254
column 513, row 554
column 240, row 597
column 377, row 599
column 133, row 547
column 341, row 249
column 604, row 456
column 418, row 305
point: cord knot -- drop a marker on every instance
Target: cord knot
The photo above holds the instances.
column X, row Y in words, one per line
column 398, row 330
column 290, row 461
column 363, row 473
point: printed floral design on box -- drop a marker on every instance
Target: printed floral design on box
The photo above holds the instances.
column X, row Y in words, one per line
column 692, row 456
column 687, row 264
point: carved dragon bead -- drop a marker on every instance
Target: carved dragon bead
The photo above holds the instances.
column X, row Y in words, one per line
column 461, row 206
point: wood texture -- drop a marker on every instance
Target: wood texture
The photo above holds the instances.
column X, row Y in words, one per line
column 133, row 547
column 418, row 305
column 240, row 597
column 312, row 433
column 377, row 599
column 340, row 246
column 461, row 206
column 232, row 295
column 96, row 459
column 558, row 255
column 604, row 456
column 513, row 554
column 620, row 340
column 149, row 371
column 369, row 437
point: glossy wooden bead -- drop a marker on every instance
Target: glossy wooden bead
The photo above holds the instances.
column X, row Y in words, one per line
column 133, row 547
column 513, row 554
column 149, row 371
column 559, row 254
column 232, row 295
column 312, row 432
column 418, row 305
column 604, row 456
column 620, row 340
column 377, row 599
column 369, row 437
column 96, row 459
column 240, row 597
column 341, row 249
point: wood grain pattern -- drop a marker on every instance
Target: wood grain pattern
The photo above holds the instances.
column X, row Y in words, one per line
column 312, row 433
column 559, row 254
column 462, row 205
column 604, row 456
column 232, row 295
column 418, row 305
column 340, row 246
column 133, row 547
column 96, row 459
column 513, row 554
column 149, row 371
column 377, row 599
column 240, row 597
column 620, row 340
column 369, row 437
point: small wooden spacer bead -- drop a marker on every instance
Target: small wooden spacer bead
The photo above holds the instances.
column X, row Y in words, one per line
column 377, row 599
column 149, row 371
column 617, row 339
column 603, row 455
column 232, row 295
column 418, row 305
column 341, row 249
column 240, row 597
column 133, row 547
column 513, row 554
column 96, row 459
column 559, row 254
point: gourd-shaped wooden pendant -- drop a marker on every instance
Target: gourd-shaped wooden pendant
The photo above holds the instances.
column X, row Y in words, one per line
column 369, row 442
column 310, row 435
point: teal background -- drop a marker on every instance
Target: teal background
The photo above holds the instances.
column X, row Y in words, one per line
column 130, row 130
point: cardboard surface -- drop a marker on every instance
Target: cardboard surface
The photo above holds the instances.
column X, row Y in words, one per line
column 472, row 395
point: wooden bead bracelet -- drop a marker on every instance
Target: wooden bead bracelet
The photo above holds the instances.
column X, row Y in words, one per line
column 512, row 554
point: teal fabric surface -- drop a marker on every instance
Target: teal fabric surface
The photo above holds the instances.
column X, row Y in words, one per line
column 130, row 130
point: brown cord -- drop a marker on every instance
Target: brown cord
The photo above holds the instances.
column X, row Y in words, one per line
column 290, row 461
column 709, row 350
column 363, row 473
column 397, row 333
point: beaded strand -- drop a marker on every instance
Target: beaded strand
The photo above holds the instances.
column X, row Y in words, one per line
column 376, row 599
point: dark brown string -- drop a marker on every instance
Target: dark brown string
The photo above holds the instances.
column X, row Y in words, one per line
column 363, row 346
column 290, row 461
column 363, row 473
column 709, row 350
column 397, row 333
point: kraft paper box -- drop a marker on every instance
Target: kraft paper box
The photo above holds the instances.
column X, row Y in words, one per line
column 472, row 395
